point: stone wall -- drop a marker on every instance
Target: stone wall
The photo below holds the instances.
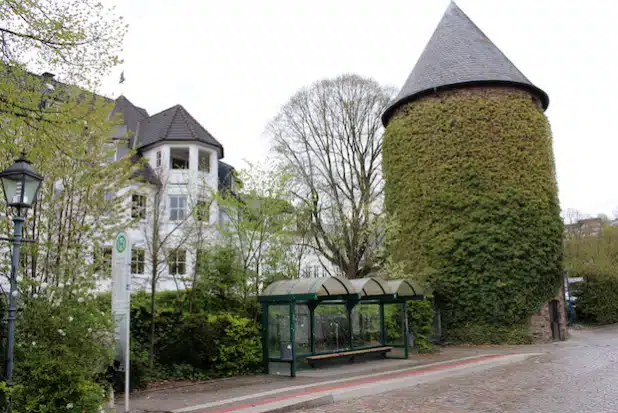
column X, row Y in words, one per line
column 541, row 325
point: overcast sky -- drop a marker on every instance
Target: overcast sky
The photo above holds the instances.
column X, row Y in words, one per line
column 233, row 63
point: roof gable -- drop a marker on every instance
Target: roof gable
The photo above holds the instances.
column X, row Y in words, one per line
column 131, row 114
column 174, row 124
column 459, row 53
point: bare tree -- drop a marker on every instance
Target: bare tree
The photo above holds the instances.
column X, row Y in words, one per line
column 329, row 137
column 573, row 216
column 162, row 237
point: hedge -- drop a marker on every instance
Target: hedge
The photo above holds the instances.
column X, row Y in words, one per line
column 470, row 179
column 207, row 343
column 597, row 297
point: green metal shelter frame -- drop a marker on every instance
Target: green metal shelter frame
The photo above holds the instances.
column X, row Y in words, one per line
column 285, row 303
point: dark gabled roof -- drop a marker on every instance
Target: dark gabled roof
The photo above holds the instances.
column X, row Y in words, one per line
column 226, row 176
column 172, row 124
column 131, row 114
column 459, row 53
column 144, row 173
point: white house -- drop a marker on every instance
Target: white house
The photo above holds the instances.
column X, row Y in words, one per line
column 182, row 171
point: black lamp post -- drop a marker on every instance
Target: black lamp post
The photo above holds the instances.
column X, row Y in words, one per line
column 20, row 184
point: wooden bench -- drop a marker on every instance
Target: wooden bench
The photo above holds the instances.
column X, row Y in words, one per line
column 348, row 354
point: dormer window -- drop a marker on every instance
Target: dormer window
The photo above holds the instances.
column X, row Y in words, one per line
column 179, row 158
column 204, row 161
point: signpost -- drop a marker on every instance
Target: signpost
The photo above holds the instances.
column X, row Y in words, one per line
column 121, row 305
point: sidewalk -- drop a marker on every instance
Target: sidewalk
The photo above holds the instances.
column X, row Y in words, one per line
column 319, row 386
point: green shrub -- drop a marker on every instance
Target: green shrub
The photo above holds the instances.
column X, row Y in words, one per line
column 238, row 345
column 470, row 180
column 63, row 349
column 190, row 345
column 597, row 298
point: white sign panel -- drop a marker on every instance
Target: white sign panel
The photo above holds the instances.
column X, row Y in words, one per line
column 575, row 280
column 121, row 295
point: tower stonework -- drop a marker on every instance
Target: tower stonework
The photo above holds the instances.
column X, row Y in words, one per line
column 470, row 181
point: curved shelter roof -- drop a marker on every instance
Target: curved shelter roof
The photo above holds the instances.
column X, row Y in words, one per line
column 371, row 286
column 337, row 288
column 459, row 53
column 405, row 288
column 310, row 288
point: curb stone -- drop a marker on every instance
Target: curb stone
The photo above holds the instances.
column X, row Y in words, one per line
column 305, row 404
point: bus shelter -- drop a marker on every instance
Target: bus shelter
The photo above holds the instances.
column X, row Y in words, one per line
column 313, row 319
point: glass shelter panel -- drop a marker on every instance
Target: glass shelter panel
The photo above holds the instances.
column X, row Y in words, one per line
column 302, row 334
column 366, row 325
column 279, row 345
column 394, row 324
column 331, row 328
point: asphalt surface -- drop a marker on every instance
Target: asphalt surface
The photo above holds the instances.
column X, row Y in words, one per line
column 580, row 375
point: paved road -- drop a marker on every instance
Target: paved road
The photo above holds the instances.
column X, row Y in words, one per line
column 580, row 375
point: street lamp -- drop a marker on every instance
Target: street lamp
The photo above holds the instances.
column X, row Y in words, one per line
column 20, row 184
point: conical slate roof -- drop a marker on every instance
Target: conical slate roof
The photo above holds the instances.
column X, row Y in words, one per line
column 459, row 53
column 174, row 124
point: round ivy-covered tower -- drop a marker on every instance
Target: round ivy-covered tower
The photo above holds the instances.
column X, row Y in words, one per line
column 470, row 181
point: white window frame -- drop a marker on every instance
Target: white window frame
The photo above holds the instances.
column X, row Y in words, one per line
column 158, row 159
column 183, row 148
column 177, row 260
column 138, row 206
column 178, row 212
column 138, row 261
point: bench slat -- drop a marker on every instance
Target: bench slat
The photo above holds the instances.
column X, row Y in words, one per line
column 350, row 353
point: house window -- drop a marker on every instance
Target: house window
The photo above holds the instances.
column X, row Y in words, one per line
column 202, row 211
column 179, row 158
column 178, row 206
column 177, row 262
column 204, row 161
column 137, row 261
column 138, row 206
column 158, row 159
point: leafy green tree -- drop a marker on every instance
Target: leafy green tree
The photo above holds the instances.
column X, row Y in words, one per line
column 595, row 258
column 65, row 130
column 261, row 225
column 78, row 39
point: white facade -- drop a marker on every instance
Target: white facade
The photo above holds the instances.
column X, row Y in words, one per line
column 180, row 192
column 174, row 211
column 183, row 174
